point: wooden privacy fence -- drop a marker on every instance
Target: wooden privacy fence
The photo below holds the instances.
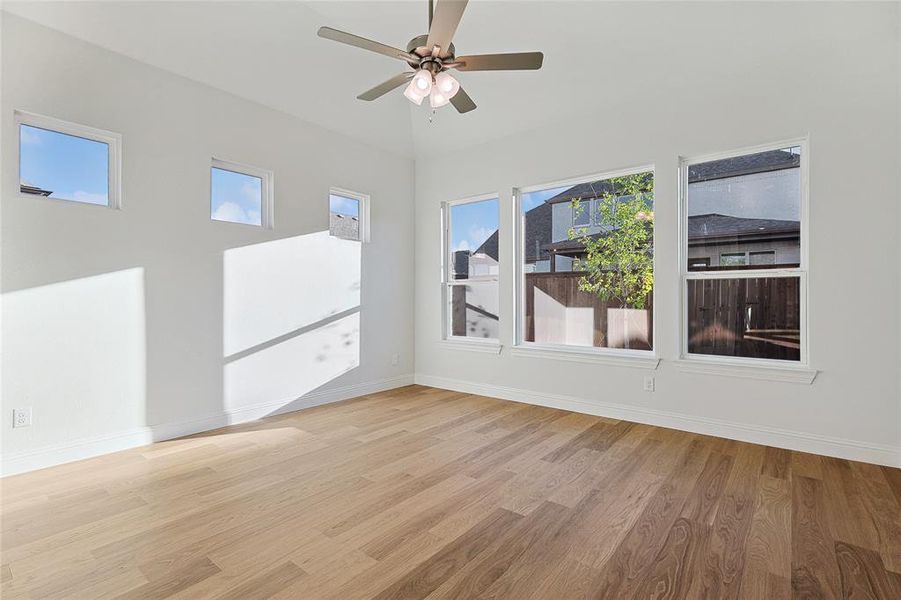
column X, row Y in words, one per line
column 758, row 317
column 563, row 288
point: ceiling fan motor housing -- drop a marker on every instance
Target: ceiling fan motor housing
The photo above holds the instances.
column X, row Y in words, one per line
column 418, row 47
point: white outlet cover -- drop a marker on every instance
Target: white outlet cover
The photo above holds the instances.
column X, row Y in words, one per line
column 649, row 384
column 21, row 417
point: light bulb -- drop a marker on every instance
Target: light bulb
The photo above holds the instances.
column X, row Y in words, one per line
column 413, row 94
column 447, row 84
column 437, row 98
column 422, row 81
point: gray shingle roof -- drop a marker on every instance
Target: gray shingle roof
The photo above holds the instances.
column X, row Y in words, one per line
column 716, row 225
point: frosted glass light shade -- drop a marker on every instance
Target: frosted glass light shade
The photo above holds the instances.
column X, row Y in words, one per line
column 413, row 94
column 446, row 84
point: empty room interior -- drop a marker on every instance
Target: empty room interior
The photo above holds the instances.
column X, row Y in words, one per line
column 406, row 299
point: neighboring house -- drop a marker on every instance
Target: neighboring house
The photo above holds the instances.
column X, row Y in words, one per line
column 714, row 239
column 344, row 226
column 33, row 189
column 476, row 306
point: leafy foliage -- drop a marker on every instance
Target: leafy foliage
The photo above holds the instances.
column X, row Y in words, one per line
column 619, row 262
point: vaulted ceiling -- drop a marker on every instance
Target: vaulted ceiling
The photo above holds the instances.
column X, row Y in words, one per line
column 597, row 56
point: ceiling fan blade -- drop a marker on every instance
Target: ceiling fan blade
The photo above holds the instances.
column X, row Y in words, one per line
column 386, row 86
column 444, row 24
column 361, row 42
column 462, row 102
column 516, row 61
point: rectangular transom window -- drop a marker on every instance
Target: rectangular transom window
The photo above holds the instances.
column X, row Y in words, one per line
column 67, row 161
column 240, row 194
column 348, row 215
column 585, row 264
column 471, row 268
column 743, row 255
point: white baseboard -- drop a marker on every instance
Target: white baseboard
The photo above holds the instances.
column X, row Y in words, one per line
column 56, row 454
column 769, row 436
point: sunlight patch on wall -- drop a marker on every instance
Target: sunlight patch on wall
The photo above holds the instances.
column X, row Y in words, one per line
column 275, row 288
column 289, row 369
column 76, row 352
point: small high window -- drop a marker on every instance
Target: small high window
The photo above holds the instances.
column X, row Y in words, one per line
column 68, row 161
column 240, row 194
column 348, row 215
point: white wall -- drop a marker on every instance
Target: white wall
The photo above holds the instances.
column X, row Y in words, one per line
column 152, row 321
column 827, row 70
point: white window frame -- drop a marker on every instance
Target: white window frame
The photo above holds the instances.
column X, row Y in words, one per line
column 267, row 204
column 490, row 345
column 363, row 199
column 111, row 139
column 645, row 359
column 773, row 369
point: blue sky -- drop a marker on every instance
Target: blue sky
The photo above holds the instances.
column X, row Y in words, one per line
column 532, row 199
column 236, row 197
column 473, row 223
column 73, row 168
column 344, row 206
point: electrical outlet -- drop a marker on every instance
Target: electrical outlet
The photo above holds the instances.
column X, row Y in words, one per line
column 22, row 417
column 395, row 359
column 649, row 384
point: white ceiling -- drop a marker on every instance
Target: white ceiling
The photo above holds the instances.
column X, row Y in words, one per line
column 597, row 55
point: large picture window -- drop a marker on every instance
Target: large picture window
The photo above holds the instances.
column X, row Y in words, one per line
column 471, row 268
column 585, row 264
column 744, row 265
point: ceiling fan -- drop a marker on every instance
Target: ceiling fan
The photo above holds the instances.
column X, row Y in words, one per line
column 431, row 56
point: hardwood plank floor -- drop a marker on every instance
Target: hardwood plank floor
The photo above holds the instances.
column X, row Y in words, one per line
column 427, row 493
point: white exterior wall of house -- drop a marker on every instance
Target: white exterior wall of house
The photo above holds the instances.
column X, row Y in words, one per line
column 758, row 89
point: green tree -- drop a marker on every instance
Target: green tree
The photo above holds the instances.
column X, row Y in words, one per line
column 619, row 263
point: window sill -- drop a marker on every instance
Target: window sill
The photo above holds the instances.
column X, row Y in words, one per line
column 631, row 359
column 489, row 347
column 789, row 374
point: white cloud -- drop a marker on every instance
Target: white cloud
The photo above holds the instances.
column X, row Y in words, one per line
column 232, row 212
column 463, row 245
column 252, row 190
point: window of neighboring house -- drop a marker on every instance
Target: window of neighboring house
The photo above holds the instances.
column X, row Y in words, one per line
column 582, row 213
column 240, row 194
column 348, row 215
column 698, row 263
column 733, row 259
column 752, row 305
column 471, row 268
column 587, row 284
column 767, row 257
column 67, row 161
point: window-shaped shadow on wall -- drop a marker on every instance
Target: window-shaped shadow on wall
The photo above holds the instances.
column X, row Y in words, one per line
column 291, row 318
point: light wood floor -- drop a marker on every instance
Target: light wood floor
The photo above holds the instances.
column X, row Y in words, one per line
column 420, row 492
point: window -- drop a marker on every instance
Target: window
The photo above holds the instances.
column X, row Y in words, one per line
column 587, row 284
column 471, row 268
column 748, row 208
column 240, row 194
column 348, row 215
column 67, row 161
column 733, row 259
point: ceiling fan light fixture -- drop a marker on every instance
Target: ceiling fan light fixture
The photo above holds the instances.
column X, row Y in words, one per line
column 413, row 94
column 437, row 98
column 446, row 84
column 422, row 82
